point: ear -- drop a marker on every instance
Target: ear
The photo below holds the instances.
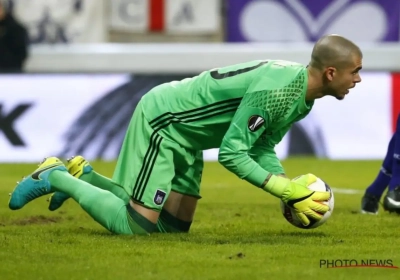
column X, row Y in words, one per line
column 330, row 73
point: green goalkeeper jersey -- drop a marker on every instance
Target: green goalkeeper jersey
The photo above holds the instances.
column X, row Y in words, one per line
column 243, row 109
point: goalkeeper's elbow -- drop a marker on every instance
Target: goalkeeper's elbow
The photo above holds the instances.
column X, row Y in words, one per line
column 237, row 163
column 225, row 159
column 231, row 160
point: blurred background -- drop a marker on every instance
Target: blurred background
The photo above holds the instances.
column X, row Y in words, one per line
column 72, row 71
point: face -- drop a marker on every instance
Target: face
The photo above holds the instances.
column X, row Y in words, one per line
column 338, row 82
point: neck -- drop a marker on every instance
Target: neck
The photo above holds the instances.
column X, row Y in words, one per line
column 314, row 86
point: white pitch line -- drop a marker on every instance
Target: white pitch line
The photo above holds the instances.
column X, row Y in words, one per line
column 335, row 190
column 346, row 191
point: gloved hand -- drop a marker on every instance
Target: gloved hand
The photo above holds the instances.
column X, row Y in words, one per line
column 294, row 193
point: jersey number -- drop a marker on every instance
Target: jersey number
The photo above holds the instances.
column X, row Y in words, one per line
column 220, row 76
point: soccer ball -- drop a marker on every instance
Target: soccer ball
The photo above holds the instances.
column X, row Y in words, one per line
column 291, row 217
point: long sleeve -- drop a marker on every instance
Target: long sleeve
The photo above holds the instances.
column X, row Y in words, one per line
column 263, row 151
column 266, row 157
column 246, row 128
column 273, row 102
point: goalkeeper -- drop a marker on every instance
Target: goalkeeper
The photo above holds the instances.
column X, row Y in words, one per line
column 243, row 109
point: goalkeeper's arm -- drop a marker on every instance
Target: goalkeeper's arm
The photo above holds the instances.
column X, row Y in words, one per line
column 234, row 154
column 245, row 129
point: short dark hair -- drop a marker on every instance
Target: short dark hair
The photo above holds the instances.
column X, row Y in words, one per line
column 333, row 50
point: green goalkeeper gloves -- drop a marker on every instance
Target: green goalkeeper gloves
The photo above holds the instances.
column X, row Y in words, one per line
column 296, row 195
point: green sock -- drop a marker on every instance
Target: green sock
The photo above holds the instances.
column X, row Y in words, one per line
column 105, row 183
column 168, row 223
column 103, row 206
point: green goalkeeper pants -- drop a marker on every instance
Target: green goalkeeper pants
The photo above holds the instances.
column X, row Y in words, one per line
column 150, row 166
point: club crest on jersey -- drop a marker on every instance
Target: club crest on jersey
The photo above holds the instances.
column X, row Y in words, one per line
column 255, row 122
column 159, row 197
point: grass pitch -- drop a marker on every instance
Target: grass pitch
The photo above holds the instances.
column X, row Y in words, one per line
column 238, row 233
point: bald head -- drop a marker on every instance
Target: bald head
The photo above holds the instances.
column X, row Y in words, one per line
column 333, row 51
